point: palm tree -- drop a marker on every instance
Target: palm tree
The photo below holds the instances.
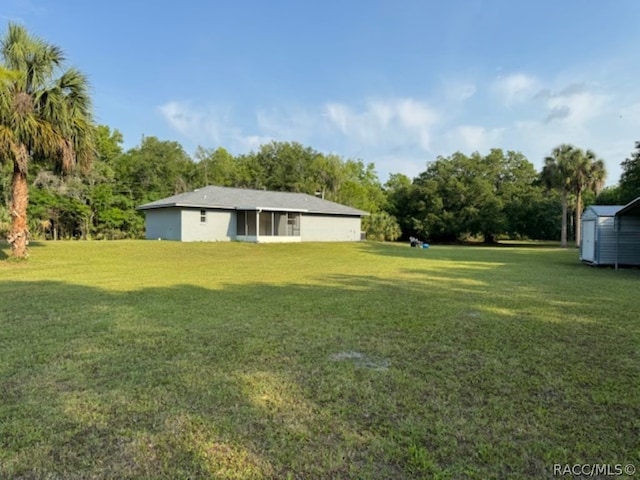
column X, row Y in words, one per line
column 571, row 170
column 43, row 116
column 557, row 174
column 589, row 174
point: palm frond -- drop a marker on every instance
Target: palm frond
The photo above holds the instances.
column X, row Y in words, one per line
column 50, row 114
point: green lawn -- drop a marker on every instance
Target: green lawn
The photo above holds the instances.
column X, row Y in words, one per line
column 161, row 360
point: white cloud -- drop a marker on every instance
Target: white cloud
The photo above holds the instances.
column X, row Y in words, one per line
column 575, row 106
column 178, row 116
column 385, row 122
column 394, row 133
column 400, row 134
column 477, row 138
column 516, row 88
column 209, row 126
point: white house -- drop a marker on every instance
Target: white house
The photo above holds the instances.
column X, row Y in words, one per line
column 222, row 214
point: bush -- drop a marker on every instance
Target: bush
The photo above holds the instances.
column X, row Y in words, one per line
column 382, row 227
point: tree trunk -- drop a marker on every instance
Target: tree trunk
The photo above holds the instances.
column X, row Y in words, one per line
column 563, row 231
column 578, row 213
column 19, row 234
column 489, row 238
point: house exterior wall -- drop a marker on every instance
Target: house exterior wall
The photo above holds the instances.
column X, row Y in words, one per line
column 163, row 223
column 184, row 224
column 329, row 228
column 219, row 226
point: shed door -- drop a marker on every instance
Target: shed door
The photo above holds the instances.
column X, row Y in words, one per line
column 588, row 240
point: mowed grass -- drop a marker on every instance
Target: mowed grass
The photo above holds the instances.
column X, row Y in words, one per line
column 161, row 360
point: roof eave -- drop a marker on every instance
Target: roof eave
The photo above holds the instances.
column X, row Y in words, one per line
column 630, row 207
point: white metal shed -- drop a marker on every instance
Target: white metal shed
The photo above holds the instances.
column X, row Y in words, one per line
column 611, row 234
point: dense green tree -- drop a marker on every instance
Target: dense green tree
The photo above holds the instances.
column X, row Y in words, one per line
column 114, row 214
column 535, row 213
column 360, row 187
column 286, row 166
column 43, row 116
column 327, row 176
column 153, row 170
column 523, row 199
column 460, row 196
column 398, row 190
column 108, row 144
column 630, row 178
column 609, row 196
column 215, row 167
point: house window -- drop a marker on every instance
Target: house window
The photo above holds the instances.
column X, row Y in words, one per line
column 203, row 216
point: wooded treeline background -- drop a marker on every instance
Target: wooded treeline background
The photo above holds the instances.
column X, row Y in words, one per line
column 460, row 197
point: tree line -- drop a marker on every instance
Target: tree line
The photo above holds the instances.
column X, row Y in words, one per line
column 481, row 197
column 100, row 202
column 63, row 177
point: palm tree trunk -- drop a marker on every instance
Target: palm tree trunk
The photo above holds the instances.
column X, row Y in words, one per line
column 578, row 213
column 563, row 231
column 19, row 234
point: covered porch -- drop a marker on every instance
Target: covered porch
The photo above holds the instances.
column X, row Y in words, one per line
column 267, row 226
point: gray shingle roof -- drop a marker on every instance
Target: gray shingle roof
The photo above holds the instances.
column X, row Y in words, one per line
column 245, row 199
column 605, row 210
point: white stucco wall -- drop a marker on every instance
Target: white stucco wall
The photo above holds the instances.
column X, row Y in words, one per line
column 162, row 223
column 220, row 226
column 329, row 228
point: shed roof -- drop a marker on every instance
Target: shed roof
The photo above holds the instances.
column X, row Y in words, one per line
column 631, row 208
column 605, row 210
column 245, row 199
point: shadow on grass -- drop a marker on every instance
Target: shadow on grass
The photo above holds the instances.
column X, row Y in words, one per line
column 5, row 250
column 259, row 381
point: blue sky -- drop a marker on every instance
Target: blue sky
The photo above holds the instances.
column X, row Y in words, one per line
column 392, row 82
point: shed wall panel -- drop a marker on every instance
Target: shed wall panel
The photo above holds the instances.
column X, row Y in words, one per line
column 605, row 249
column 628, row 240
column 615, row 237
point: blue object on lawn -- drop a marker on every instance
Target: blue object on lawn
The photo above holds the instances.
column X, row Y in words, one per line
column 425, row 245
